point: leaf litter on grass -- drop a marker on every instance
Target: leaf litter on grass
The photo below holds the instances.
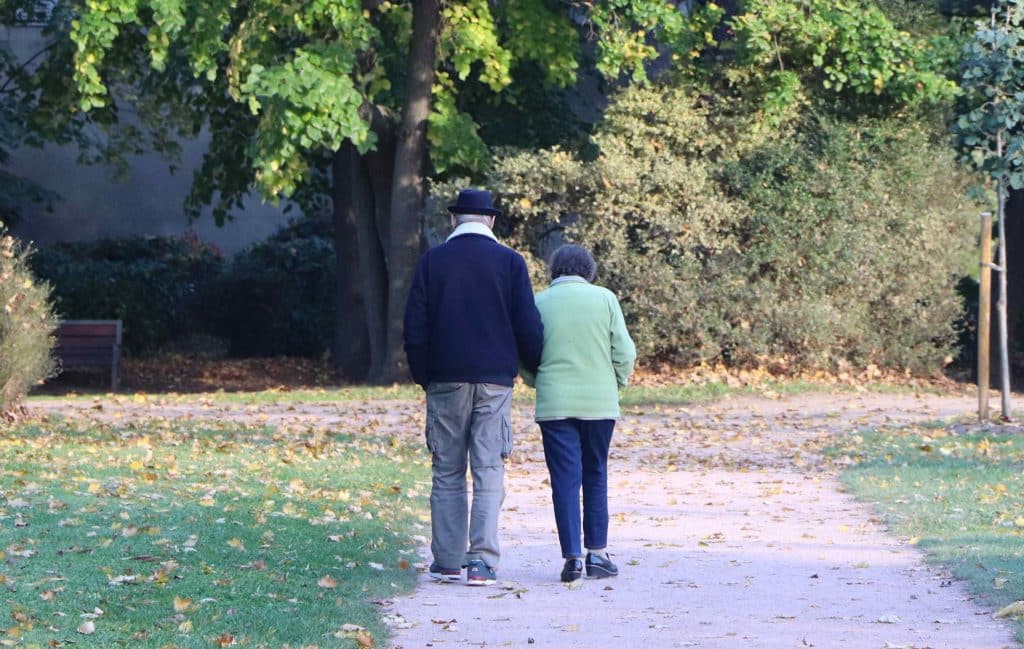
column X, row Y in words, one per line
column 187, row 530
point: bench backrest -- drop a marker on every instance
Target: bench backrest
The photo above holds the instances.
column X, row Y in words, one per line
column 88, row 342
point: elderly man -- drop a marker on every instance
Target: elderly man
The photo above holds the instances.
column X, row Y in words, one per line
column 469, row 323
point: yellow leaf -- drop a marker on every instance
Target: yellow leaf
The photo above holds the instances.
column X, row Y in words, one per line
column 185, row 627
column 364, row 640
column 182, row 604
column 207, row 501
column 1013, row 610
column 327, row 581
column 237, row 544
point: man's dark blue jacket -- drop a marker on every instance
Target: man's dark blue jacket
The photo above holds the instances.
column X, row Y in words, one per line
column 471, row 317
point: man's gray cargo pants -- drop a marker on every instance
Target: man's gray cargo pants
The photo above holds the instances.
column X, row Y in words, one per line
column 467, row 419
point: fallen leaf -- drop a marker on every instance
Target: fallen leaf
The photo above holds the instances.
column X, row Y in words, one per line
column 124, row 579
column 888, row 619
column 182, row 604
column 87, row 628
column 327, row 581
column 364, row 640
column 237, row 544
column 1013, row 610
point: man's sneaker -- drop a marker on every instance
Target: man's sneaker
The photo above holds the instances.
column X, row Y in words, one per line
column 444, row 574
column 599, row 567
column 572, row 570
column 479, row 573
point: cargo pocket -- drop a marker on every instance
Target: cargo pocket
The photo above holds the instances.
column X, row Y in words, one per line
column 428, row 432
column 506, row 438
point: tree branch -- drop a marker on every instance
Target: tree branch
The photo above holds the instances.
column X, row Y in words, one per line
column 21, row 68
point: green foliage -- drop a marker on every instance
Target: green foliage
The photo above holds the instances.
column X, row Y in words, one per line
column 796, row 50
column 453, row 135
column 535, row 32
column 276, row 298
column 853, row 240
column 624, row 49
column 26, row 324
column 306, row 72
column 835, row 244
column 990, row 128
column 150, row 283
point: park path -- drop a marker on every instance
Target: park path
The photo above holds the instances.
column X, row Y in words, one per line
column 728, row 533
column 728, row 525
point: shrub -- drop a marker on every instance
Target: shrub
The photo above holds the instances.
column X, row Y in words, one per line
column 839, row 243
column 26, row 324
column 277, row 297
column 856, row 235
column 151, row 283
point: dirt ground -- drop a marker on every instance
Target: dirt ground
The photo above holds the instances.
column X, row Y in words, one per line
column 728, row 525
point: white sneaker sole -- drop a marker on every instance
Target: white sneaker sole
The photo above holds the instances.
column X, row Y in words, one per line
column 481, row 582
column 440, row 577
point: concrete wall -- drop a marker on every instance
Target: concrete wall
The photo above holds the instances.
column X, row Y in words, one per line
column 149, row 201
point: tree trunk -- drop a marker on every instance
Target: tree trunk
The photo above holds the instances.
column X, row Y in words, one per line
column 372, row 272
column 407, row 195
column 350, row 354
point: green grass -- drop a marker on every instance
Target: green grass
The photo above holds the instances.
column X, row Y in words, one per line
column 683, row 394
column 312, row 395
column 237, row 525
column 961, row 497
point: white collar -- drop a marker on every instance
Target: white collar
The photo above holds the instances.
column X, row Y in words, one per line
column 471, row 227
column 564, row 279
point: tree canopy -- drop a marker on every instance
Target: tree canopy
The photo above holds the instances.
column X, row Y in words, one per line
column 307, row 71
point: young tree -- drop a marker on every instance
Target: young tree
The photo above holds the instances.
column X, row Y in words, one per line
column 990, row 131
column 368, row 85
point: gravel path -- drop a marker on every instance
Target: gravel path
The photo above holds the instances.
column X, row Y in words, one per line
column 727, row 533
column 729, row 528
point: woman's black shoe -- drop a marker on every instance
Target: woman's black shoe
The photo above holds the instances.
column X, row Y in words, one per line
column 599, row 567
column 572, row 570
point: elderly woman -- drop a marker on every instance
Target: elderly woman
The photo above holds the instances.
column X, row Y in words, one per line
column 588, row 355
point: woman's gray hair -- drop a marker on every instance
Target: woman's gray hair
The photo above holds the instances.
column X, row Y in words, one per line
column 572, row 259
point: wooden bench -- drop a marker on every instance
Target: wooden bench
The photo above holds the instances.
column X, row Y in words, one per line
column 90, row 343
